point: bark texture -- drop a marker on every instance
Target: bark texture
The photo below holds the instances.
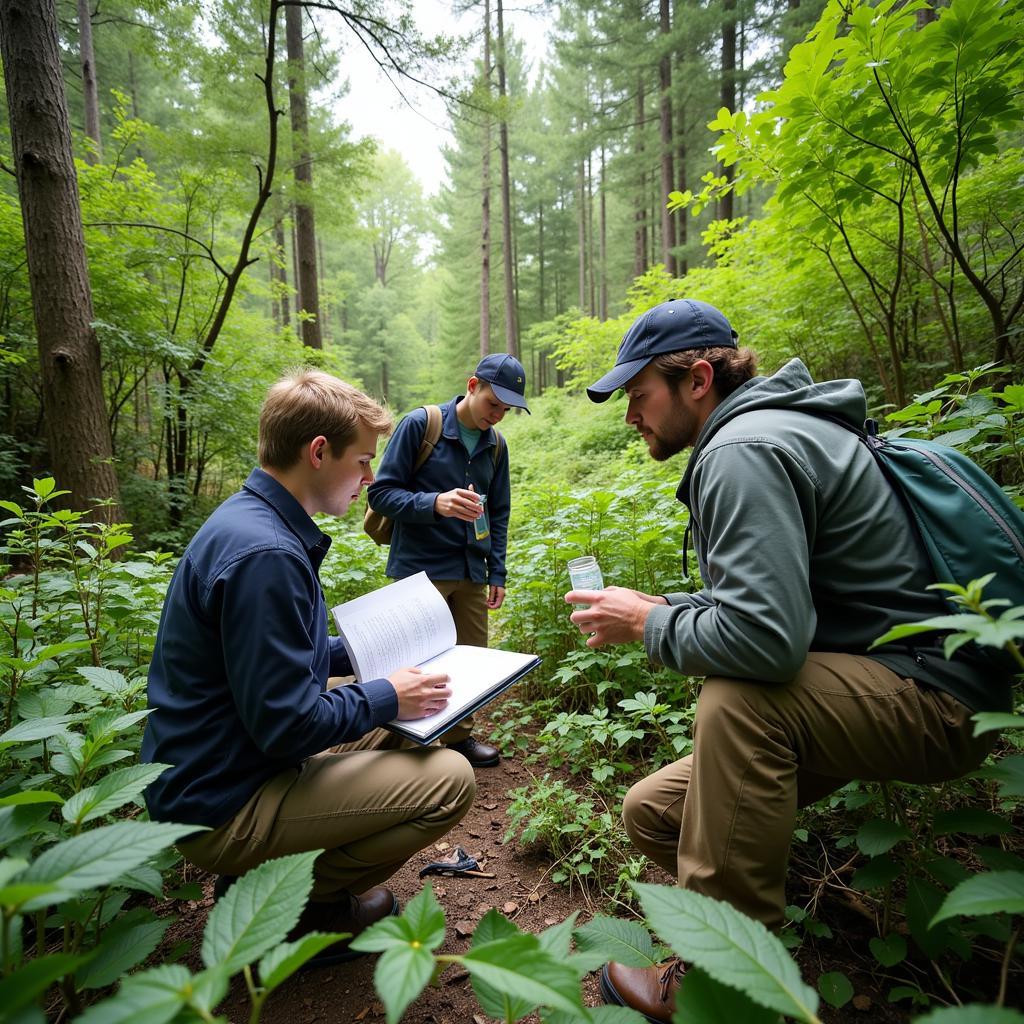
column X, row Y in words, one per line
column 77, row 427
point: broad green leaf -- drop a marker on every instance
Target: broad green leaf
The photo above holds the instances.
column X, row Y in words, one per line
column 973, row 1013
column 111, row 792
column 106, row 680
column 876, row 836
column 124, row 945
column 22, row 987
column 835, row 988
column 36, row 729
column 1008, row 772
column 597, row 1015
column 494, row 927
column 972, row 821
column 706, row 1001
column 258, row 911
column 97, row 858
column 627, row 942
column 9, row 867
column 890, row 950
column 31, row 796
column 210, row 987
column 425, row 918
column 400, row 976
column 16, row 822
column 15, row 895
column 144, row 878
column 519, row 967
column 922, row 904
column 991, row 893
column 995, row 721
column 154, row 996
column 732, row 948
column 284, row 960
column 878, row 872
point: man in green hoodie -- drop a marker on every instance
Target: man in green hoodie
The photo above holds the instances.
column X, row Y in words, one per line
column 806, row 557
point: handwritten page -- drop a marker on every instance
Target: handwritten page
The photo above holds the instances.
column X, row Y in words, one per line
column 402, row 624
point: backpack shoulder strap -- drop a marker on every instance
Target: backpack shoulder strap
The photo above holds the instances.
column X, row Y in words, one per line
column 499, row 447
column 431, row 435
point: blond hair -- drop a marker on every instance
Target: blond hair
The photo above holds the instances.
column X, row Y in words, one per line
column 306, row 403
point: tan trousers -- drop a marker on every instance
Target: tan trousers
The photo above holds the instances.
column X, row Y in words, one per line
column 721, row 819
column 369, row 805
column 468, row 603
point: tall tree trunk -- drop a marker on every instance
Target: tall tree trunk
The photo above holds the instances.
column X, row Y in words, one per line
column 305, row 229
column 640, row 198
column 665, row 124
column 581, row 180
column 591, row 261
column 602, row 308
column 540, row 260
column 77, row 428
column 485, row 196
column 728, row 91
column 90, row 89
column 323, row 296
column 511, row 313
column 281, row 265
column 681, row 224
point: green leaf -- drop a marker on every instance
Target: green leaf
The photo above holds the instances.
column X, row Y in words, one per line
column 111, row 792
column 991, row 893
column 37, row 729
column 732, row 948
column 973, row 1013
column 124, row 945
column 31, row 796
column 284, row 960
column 425, row 918
column 16, row 822
column 519, row 967
column 708, row 1001
column 890, row 950
column 499, row 1005
column 97, row 858
column 154, row 996
column 22, row 987
column 876, row 836
column 835, row 988
column 971, row 821
column 995, row 721
column 878, row 872
column 626, row 942
column 1008, row 772
column 400, row 976
column 258, row 911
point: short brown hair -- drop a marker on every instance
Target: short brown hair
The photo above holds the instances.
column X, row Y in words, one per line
column 306, row 403
column 733, row 366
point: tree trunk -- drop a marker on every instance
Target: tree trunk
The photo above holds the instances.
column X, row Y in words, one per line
column 511, row 313
column 591, row 271
column 77, row 429
column 681, row 225
column 305, row 229
column 581, row 179
column 640, row 200
column 540, row 259
column 665, row 124
column 602, row 249
column 281, row 266
column 728, row 93
column 485, row 197
column 90, row 89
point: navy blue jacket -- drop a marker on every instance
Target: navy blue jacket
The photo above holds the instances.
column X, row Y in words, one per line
column 238, row 678
column 444, row 548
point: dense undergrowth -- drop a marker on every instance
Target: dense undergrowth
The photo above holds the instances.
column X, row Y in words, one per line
column 938, row 871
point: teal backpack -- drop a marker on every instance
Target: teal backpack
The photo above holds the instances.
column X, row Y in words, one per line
column 966, row 522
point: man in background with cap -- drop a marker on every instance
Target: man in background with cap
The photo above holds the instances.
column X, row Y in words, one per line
column 451, row 514
column 807, row 557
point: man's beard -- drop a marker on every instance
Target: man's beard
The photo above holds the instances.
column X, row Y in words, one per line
column 679, row 434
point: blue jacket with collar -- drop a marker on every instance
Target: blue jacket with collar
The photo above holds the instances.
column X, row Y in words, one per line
column 442, row 547
column 237, row 684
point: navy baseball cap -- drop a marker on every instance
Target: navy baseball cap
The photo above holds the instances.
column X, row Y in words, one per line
column 668, row 327
column 506, row 376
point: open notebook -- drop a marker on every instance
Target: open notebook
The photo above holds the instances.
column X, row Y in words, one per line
column 408, row 623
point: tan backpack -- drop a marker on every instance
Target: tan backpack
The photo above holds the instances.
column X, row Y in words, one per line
column 379, row 526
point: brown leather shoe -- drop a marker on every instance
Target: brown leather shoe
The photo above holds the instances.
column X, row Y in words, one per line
column 648, row 990
column 479, row 755
column 353, row 914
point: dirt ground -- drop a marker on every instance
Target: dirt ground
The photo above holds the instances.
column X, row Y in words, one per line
column 523, row 892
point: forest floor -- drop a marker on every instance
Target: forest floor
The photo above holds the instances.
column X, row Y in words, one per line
column 521, row 890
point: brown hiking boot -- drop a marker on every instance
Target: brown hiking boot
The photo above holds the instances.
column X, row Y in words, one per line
column 648, row 990
column 352, row 914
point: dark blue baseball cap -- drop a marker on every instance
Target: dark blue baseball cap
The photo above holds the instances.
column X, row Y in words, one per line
column 506, row 376
column 668, row 327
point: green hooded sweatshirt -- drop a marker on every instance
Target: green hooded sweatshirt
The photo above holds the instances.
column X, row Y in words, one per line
column 802, row 546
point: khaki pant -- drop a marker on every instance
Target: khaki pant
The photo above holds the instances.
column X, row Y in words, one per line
column 721, row 819
column 468, row 603
column 369, row 805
